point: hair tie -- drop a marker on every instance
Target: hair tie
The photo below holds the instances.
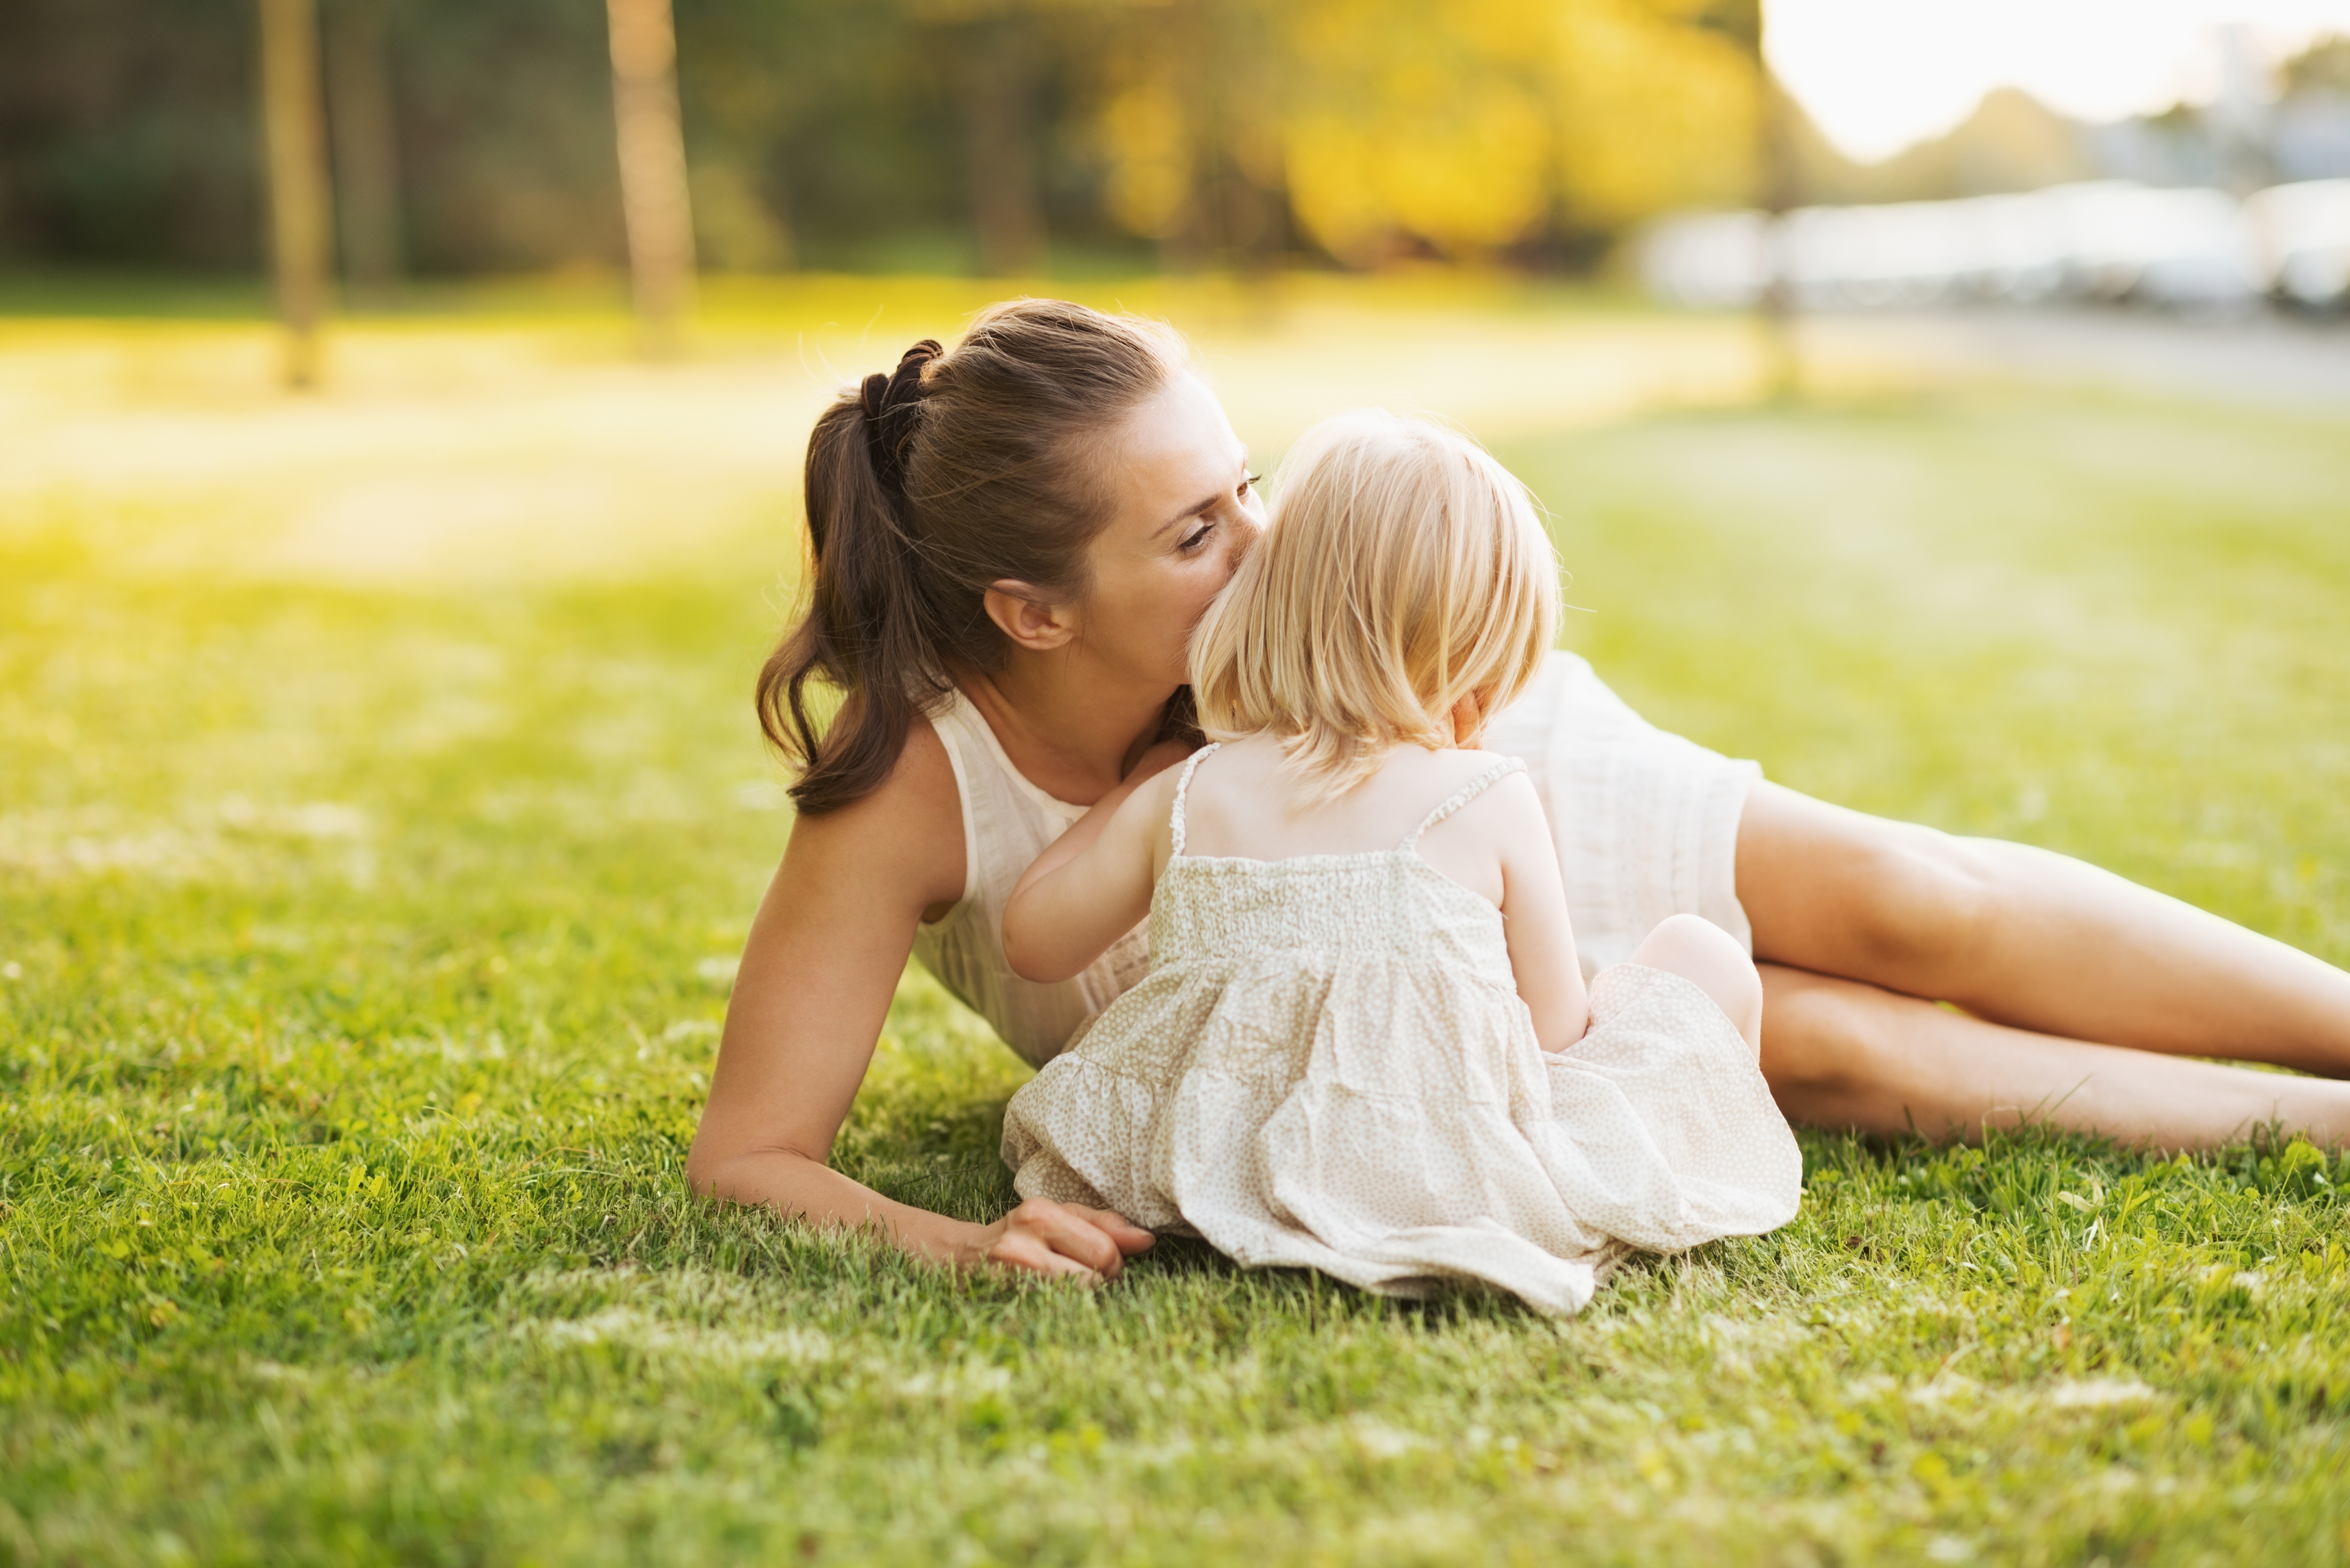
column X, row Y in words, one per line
column 891, row 403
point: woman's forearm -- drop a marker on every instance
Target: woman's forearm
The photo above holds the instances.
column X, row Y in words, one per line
column 795, row 1186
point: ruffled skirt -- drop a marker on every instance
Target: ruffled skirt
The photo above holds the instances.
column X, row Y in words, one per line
column 1402, row 1130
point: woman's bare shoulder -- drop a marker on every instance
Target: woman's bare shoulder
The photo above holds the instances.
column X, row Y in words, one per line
column 902, row 841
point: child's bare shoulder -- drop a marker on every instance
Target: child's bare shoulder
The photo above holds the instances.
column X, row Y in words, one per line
column 1510, row 795
column 1436, row 775
column 1475, row 765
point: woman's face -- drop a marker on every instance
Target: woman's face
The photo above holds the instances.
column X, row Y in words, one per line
column 1185, row 511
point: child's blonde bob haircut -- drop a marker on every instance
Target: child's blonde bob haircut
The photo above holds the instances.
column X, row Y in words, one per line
column 1403, row 572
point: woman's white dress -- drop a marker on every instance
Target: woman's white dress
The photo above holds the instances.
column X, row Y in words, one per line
column 1328, row 1066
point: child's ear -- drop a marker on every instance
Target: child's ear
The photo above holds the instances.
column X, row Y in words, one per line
column 1469, row 715
column 1031, row 619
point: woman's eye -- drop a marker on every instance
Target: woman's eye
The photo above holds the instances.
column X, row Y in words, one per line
column 1250, row 482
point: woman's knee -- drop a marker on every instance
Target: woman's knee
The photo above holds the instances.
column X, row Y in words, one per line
column 1927, row 902
column 1845, row 893
column 1819, row 1033
column 1705, row 955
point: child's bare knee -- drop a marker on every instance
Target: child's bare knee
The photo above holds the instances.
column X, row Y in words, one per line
column 1708, row 956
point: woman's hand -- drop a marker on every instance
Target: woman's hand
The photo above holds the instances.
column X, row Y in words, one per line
column 1042, row 1237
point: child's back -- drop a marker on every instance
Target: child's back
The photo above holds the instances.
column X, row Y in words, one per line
column 1253, row 804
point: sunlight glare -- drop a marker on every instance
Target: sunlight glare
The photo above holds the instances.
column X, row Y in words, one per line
column 1879, row 74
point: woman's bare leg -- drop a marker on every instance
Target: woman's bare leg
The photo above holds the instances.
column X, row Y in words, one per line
column 2028, row 939
column 1838, row 1053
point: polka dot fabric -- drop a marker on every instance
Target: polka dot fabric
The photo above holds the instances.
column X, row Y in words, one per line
column 1328, row 1066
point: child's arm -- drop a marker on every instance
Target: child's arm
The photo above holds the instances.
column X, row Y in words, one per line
column 1090, row 886
column 1534, row 909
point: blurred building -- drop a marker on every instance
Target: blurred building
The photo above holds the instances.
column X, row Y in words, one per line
column 2208, row 209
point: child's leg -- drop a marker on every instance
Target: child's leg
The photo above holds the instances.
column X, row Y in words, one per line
column 1705, row 955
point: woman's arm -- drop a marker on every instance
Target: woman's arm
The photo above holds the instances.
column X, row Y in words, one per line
column 830, row 939
column 1077, row 899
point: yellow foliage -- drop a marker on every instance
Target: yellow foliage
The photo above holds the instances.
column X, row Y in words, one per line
column 1147, row 137
column 1652, row 113
column 1408, row 118
column 1466, row 126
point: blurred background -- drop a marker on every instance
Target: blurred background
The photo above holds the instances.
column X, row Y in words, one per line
column 1946, row 402
column 402, row 401
column 1081, row 138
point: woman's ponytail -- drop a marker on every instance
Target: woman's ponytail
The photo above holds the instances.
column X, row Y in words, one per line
column 862, row 632
column 924, row 487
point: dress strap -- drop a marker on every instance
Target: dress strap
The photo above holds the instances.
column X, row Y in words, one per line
column 1460, row 798
column 1183, row 790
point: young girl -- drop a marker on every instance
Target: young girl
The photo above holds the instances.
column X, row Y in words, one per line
column 1365, row 1044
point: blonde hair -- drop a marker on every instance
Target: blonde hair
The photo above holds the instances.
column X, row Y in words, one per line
column 1404, row 570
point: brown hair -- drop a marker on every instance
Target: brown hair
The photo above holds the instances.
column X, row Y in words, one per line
column 925, row 487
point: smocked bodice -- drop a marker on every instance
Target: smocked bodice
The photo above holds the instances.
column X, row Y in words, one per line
column 1221, row 911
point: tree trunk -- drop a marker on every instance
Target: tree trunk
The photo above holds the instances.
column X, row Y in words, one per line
column 366, row 145
column 300, row 238
column 1774, row 173
column 1183, row 29
column 1007, row 207
column 653, row 194
column 1240, row 86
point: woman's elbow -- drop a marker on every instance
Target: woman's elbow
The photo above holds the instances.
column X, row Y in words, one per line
column 749, row 1174
column 702, row 1171
column 719, row 1171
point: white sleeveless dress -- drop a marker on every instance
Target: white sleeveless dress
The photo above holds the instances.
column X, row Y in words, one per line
column 1329, row 1067
column 1645, row 822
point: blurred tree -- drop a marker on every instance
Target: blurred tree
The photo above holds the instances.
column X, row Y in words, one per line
column 2010, row 142
column 1187, row 124
column 1658, row 107
column 936, row 134
column 742, row 100
column 831, row 133
column 2310, row 137
column 301, row 217
column 2323, row 67
column 128, row 133
column 1471, row 128
column 1406, row 123
column 993, row 67
column 366, row 147
column 655, row 199
column 505, row 136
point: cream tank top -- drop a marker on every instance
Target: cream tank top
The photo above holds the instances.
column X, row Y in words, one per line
column 1007, row 821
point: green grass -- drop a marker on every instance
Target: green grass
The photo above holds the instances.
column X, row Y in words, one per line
column 364, row 947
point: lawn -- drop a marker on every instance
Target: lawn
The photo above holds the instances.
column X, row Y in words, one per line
column 380, row 810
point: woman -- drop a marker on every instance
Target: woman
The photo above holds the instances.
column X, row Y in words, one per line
column 1011, row 544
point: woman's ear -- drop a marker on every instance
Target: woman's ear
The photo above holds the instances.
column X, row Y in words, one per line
column 1028, row 617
